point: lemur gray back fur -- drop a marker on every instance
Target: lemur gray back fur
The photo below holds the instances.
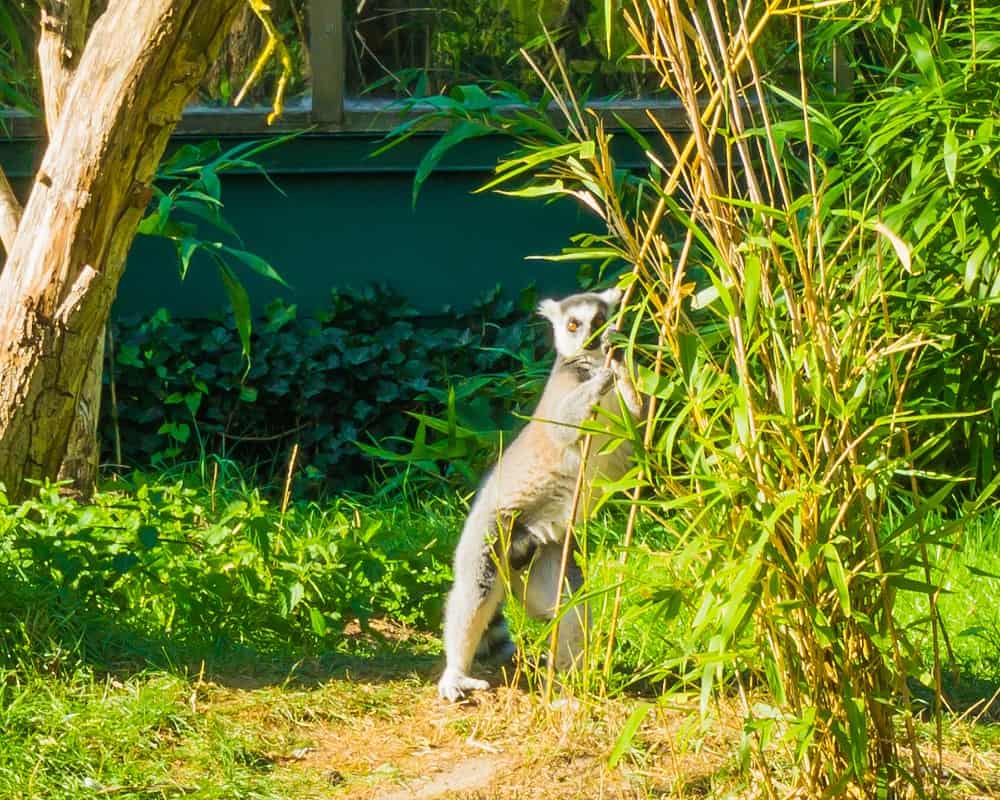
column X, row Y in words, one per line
column 520, row 515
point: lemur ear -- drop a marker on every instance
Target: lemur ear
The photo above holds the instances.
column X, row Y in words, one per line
column 612, row 297
column 550, row 310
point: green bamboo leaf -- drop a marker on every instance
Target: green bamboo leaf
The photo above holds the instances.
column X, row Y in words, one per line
column 240, row 302
column 914, row 585
column 628, row 733
column 466, row 129
column 211, row 215
column 857, row 722
column 982, row 573
column 974, row 264
column 580, row 254
column 513, row 167
column 751, row 287
column 186, row 248
column 950, row 155
column 210, row 181
column 922, row 54
column 838, row 576
column 255, row 262
column 537, row 190
column 472, row 97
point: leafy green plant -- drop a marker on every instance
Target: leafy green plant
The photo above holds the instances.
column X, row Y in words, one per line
column 773, row 277
column 923, row 143
column 188, row 194
column 18, row 77
column 364, row 376
column 204, row 564
column 416, row 50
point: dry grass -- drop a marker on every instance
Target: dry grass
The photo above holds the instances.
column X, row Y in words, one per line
column 377, row 731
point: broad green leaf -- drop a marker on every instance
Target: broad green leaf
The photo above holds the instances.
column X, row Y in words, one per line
column 296, row 592
column 317, row 621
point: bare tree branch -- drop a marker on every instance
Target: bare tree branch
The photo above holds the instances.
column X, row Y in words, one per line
column 63, row 33
column 10, row 213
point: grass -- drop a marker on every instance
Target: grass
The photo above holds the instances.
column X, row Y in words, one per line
column 111, row 686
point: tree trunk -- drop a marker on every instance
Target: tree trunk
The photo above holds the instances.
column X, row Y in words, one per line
column 142, row 61
column 83, row 450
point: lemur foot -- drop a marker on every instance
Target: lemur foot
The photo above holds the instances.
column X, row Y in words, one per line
column 454, row 685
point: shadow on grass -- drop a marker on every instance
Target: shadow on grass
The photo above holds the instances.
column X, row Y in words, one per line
column 965, row 694
column 47, row 630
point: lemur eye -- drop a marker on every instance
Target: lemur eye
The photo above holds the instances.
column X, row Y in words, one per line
column 572, row 325
column 599, row 320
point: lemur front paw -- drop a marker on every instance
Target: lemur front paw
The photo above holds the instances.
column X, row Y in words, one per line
column 604, row 377
column 608, row 347
column 453, row 685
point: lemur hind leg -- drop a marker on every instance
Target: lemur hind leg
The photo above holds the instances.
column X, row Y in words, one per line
column 492, row 551
column 474, row 599
column 540, row 595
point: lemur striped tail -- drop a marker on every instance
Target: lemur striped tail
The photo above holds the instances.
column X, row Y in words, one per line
column 496, row 644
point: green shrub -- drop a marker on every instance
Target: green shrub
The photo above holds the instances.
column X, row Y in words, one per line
column 159, row 559
column 353, row 373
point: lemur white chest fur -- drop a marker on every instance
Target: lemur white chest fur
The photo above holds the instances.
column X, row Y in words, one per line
column 519, row 518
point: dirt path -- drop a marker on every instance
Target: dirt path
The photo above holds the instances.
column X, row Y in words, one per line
column 377, row 731
column 466, row 775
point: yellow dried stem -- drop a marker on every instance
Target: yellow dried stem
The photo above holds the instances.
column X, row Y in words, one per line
column 275, row 44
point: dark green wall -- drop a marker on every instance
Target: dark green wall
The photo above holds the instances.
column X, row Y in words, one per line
column 345, row 219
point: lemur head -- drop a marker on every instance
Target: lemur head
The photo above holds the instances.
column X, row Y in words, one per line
column 577, row 318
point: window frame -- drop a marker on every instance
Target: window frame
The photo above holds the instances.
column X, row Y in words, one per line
column 327, row 109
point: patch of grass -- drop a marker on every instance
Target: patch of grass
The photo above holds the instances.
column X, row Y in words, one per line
column 83, row 736
column 158, row 570
column 187, row 675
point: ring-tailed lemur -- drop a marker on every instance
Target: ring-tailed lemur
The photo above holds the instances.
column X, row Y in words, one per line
column 519, row 518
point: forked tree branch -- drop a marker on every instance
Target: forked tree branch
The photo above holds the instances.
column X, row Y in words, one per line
column 60, row 45
column 10, row 213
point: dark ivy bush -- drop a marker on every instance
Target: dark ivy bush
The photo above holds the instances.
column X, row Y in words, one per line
column 365, row 386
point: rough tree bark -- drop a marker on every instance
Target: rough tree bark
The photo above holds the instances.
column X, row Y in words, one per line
column 142, row 61
column 10, row 214
column 60, row 45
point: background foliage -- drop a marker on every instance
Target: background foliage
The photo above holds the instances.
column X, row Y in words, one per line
column 366, row 370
